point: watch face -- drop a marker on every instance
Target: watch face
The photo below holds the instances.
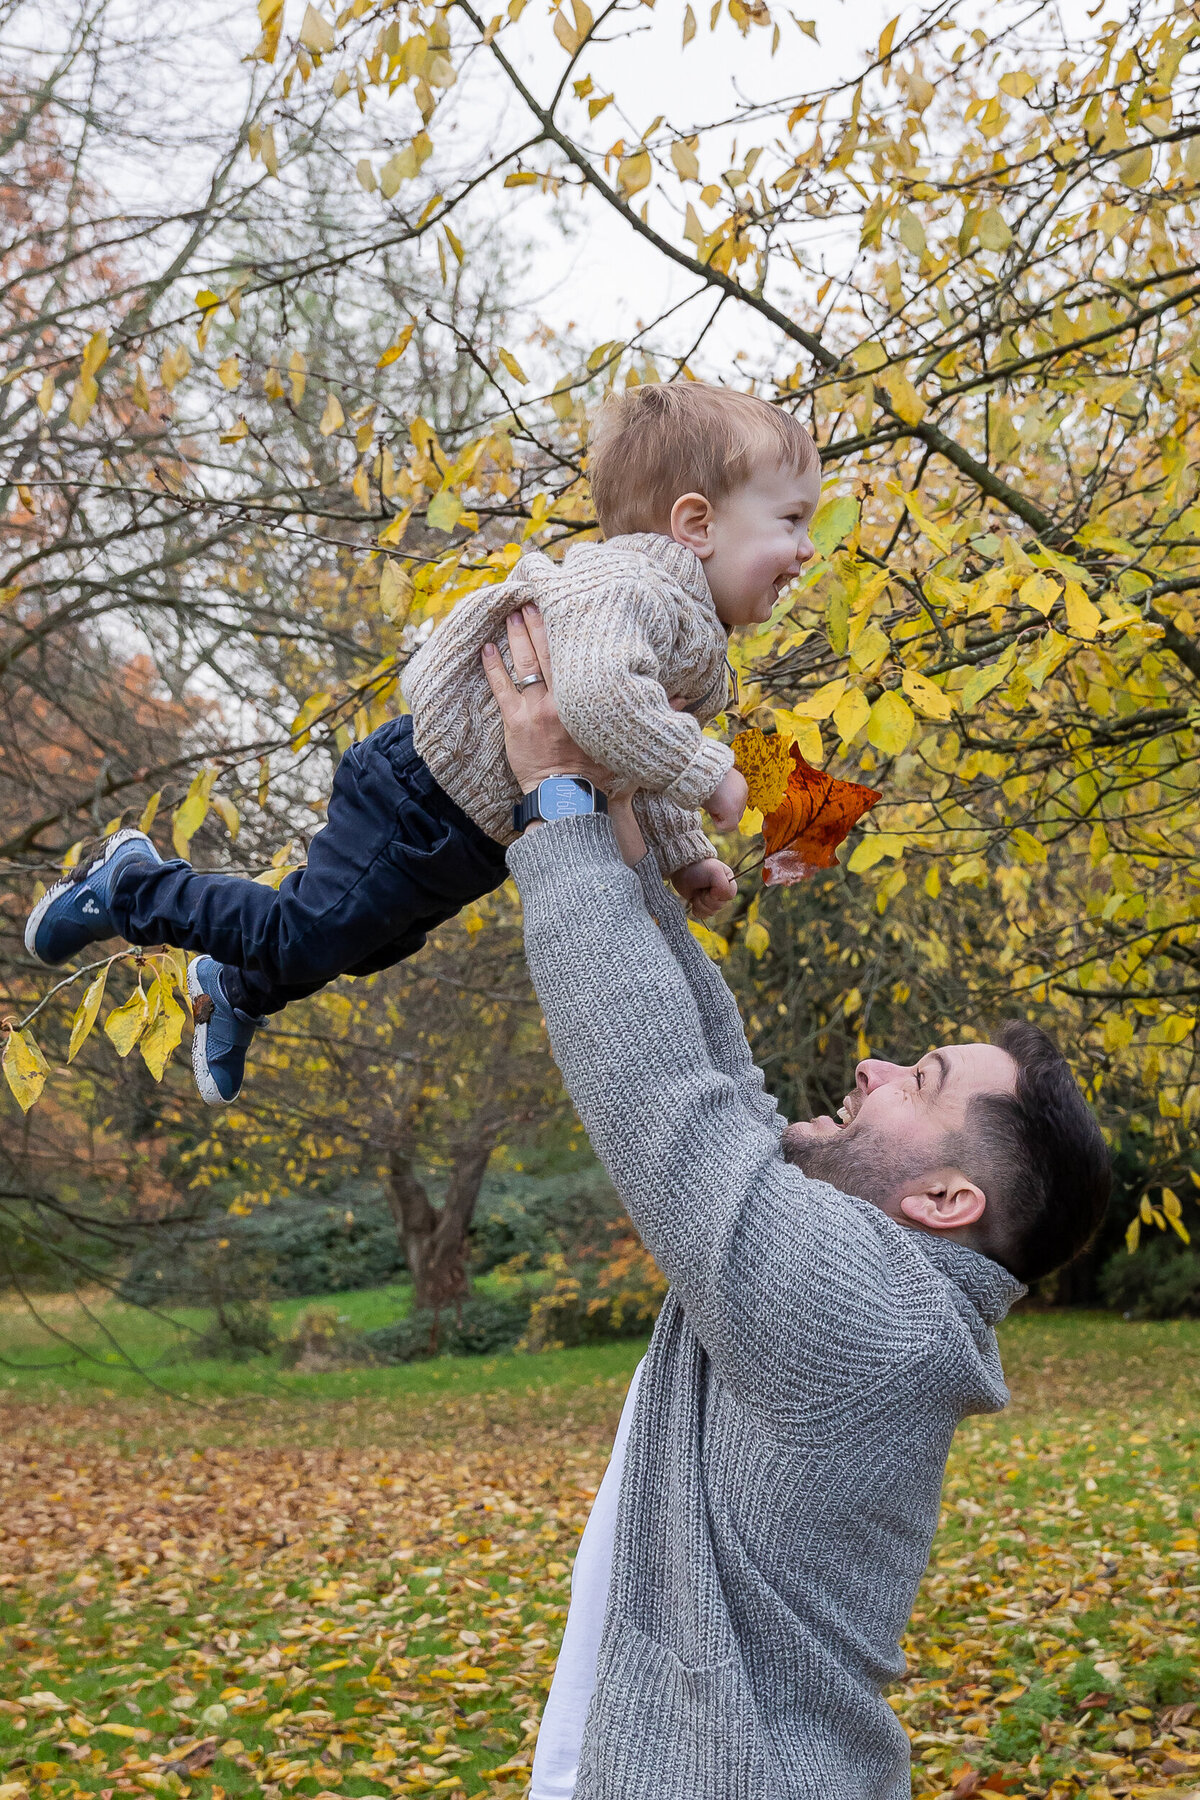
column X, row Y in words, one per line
column 564, row 797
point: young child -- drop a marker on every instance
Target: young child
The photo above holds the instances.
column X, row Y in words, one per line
column 704, row 497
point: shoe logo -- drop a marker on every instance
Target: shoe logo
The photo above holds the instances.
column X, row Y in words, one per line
column 89, row 906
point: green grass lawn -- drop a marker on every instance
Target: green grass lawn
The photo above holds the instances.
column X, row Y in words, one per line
column 354, row 1583
column 89, row 1342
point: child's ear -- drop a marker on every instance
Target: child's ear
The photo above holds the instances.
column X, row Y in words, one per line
column 692, row 520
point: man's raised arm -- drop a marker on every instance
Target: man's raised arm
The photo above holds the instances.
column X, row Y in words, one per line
column 770, row 1267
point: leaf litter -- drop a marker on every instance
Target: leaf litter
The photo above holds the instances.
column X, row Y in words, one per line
column 346, row 1618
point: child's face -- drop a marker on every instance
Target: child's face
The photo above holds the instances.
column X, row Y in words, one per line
column 752, row 542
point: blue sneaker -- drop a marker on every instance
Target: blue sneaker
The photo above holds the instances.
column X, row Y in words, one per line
column 222, row 1035
column 74, row 913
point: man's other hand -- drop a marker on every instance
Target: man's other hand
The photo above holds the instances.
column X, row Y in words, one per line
column 705, row 886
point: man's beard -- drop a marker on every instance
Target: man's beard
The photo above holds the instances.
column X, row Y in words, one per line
column 854, row 1162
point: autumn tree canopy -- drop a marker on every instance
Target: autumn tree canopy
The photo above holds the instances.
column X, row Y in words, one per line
column 301, row 416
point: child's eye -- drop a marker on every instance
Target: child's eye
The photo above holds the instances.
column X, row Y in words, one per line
column 920, row 1080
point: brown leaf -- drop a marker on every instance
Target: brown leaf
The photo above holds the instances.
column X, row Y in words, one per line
column 816, row 813
column 198, row 1756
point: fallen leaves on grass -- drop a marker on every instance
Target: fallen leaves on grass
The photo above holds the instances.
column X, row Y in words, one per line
column 345, row 1622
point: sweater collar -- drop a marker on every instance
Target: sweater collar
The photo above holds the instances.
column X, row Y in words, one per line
column 987, row 1287
column 675, row 560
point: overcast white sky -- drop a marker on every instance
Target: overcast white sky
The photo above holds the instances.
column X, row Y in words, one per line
column 186, row 70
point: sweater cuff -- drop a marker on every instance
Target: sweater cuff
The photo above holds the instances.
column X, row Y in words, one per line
column 707, row 768
column 560, row 848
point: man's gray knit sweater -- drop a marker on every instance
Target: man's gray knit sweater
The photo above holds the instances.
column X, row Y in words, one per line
column 805, row 1378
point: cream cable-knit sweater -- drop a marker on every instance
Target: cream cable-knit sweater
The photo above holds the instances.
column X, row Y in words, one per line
column 630, row 623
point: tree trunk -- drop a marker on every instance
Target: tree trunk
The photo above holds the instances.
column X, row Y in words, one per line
column 433, row 1241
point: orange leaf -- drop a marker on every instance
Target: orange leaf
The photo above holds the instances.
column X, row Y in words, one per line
column 816, row 813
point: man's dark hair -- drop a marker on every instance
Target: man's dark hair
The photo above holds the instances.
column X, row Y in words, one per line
column 1040, row 1158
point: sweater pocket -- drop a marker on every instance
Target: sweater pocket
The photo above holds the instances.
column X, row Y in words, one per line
column 659, row 1729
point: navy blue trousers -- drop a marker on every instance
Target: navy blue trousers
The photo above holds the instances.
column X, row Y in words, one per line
column 396, row 858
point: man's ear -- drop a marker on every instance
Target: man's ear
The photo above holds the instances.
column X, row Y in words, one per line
column 692, row 519
column 944, row 1201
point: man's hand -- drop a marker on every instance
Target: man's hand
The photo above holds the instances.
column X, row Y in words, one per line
column 728, row 801
column 705, row 886
column 534, row 739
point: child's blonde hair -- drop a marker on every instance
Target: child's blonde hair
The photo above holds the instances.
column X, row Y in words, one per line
column 650, row 444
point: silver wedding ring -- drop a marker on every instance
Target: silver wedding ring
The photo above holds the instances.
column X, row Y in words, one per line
column 527, row 681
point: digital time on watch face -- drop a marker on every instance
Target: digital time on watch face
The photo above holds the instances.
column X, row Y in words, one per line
column 564, row 797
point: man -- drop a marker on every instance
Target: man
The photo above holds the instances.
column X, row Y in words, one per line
column 757, row 1547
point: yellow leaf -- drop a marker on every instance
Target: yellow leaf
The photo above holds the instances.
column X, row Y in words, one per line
column 513, row 366
column 125, row 1024
column 193, row 811
column 85, row 1013
column 228, row 813
column 823, row 703
column 927, row 698
column 1028, row 847
column 1017, row 84
column 633, row 172
column 312, row 709
column 25, row 1068
column 395, row 351
column 333, row 418
column 1082, row 617
column 316, row 33
column 1040, row 593
column 240, row 430
column 364, row 169
column 360, row 487
column 395, row 592
column 45, row 395
column 573, row 37
column 994, row 233
column 230, row 373
column 851, row 714
column 758, row 940
column 82, row 400
column 140, row 393
column 1133, row 1235
column 165, row 1030
column 297, row 371
column 149, row 811
column 891, row 724
column 444, row 510
column 1137, row 167
column 96, row 353
column 938, row 537
column 687, row 163
column 912, row 233
column 689, row 25
column 455, row 245
column 886, row 39
column 904, row 397
column 709, row 941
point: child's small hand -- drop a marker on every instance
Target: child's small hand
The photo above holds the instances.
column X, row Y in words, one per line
column 705, row 886
column 728, row 801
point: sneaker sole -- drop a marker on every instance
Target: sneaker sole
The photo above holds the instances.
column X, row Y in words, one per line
column 206, row 1086
column 60, row 887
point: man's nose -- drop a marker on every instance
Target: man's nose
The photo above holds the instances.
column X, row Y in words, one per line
column 874, row 1072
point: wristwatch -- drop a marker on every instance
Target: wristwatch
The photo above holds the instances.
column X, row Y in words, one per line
column 559, row 797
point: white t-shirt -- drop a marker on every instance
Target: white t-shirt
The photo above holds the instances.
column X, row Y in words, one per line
column 556, row 1759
